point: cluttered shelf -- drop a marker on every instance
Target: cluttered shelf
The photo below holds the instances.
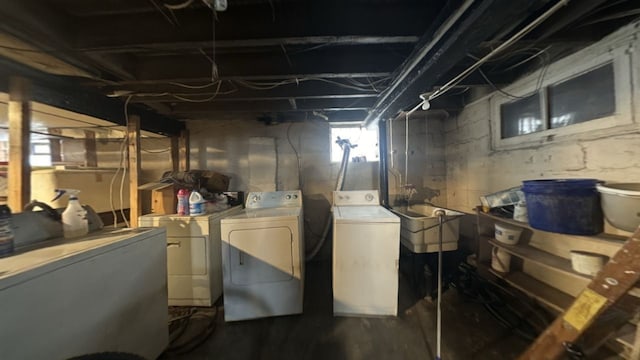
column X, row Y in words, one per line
column 540, row 257
column 545, row 294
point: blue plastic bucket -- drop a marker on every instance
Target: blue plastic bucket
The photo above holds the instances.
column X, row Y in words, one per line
column 568, row 206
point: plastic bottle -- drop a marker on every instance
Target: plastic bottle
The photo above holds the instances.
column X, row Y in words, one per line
column 74, row 217
column 196, row 204
column 183, row 202
column 6, row 234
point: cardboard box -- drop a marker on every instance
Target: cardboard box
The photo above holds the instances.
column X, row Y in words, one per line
column 163, row 197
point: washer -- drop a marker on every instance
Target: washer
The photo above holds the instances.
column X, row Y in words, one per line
column 366, row 246
column 194, row 266
column 263, row 257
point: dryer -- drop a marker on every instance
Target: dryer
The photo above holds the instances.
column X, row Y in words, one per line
column 263, row 257
column 366, row 246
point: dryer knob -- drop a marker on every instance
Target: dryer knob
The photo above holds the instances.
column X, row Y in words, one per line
column 288, row 197
column 369, row 197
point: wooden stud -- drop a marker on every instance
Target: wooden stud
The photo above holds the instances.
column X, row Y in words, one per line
column 90, row 155
column 135, row 202
column 19, row 172
column 55, row 146
column 175, row 153
column 183, row 146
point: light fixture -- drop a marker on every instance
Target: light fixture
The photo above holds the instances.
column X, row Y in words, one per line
column 425, row 101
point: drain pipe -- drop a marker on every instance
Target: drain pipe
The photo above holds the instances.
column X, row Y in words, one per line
column 346, row 150
column 441, row 214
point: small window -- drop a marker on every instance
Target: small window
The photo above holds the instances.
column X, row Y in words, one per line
column 583, row 98
column 521, row 117
column 40, row 154
column 366, row 141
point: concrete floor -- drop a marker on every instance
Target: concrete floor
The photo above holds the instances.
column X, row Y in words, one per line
column 469, row 332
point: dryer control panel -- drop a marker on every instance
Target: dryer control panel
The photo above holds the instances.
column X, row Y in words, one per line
column 274, row 199
column 356, row 198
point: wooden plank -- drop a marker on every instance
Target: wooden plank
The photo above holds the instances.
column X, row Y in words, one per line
column 548, row 295
column 91, row 154
column 55, row 146
column 183, row 149
column 133, row 138
column 605, row 292
column 175, row 154
column 543, row 258
column 19, row 172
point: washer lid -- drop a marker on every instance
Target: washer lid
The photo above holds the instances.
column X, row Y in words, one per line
column 366, row 213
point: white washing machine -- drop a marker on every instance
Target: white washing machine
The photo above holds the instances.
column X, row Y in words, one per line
column 194, row 266
column 263, row 257
column 366, row 246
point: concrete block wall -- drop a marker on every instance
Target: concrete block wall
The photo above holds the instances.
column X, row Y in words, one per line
column 610, row 151
column 222, row 145
column 426, row 158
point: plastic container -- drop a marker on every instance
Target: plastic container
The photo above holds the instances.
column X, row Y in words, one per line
column 183, row 202
column 6, row 234
column 520, row 212
column 74, row 217
column 505, row 234
column 196, row 204
column 621, row 204
column 567, row 206
column 587, row 263
column 500, row 260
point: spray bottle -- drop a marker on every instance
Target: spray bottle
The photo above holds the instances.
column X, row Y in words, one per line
column 74, row 217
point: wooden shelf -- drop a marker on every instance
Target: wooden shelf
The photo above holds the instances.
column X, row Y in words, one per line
column 540, row 257
column 550, row 296
column 601, row 236
column 626, row 335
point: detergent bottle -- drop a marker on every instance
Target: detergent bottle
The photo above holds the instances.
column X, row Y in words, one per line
column 196, row 204
column 74, row 217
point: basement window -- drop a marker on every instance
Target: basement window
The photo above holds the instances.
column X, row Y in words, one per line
column 585, row 97
column 578, row 97
column 40, row 154
column 366, row 141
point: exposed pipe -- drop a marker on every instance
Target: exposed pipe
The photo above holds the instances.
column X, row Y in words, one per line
column 441, row 214
column 406, row 149
column 442, row 30
column 524, row 31
column 383, row 164
column 346, row 150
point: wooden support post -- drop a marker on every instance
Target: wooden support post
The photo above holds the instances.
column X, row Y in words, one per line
column 90, row 155
column 135, row 203
column 183, row 145
column 55, row 146
column 175, row 153
column 19, row 173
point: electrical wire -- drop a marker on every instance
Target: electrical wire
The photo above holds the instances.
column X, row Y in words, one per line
column 295, row 152
column 180, row 6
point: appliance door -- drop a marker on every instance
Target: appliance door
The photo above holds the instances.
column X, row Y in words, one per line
column 261, row 255
column 365, row 268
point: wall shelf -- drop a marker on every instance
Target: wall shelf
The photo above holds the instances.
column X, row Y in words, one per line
column 543, row 258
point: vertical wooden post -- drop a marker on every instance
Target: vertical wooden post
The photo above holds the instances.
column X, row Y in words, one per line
column 183, row 145
column 175, row 153
column 55, row 146
column 90, row 155
column 135, row 203
column 19, row 173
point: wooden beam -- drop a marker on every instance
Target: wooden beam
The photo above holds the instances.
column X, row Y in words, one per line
column 274, row 106
column 135, row 202
column 90, row 154
column 55, row 146
column 19, row 174
column 175, row 153
column 183, row 146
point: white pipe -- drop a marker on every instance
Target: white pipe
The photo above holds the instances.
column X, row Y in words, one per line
column 425, row 49
column 406, row 149
column 441, row 214
column 524, row 31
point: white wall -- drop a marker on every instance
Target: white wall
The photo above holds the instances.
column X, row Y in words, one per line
column 223, row 146
column 476, row 166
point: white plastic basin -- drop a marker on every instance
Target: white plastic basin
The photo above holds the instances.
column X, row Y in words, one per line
column 621, row 204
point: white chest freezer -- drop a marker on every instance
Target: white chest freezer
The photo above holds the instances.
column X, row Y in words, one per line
column 106, row 292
